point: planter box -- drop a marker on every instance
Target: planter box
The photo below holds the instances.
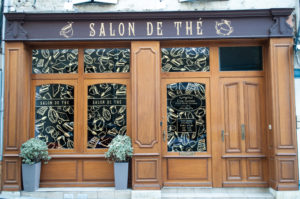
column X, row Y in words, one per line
column 121, row 175
column 31, row 176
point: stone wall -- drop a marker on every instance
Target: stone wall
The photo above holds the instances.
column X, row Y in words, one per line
column 144, row 5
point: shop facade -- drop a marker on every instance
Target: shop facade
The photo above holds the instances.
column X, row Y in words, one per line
column 207, row 97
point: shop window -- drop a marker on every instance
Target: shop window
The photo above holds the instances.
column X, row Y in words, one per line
column 185, row 59
column 247, row 58
column 106, row 113
column 186, row 121
column 45, row 61
column 107, row 60
column 54, row 115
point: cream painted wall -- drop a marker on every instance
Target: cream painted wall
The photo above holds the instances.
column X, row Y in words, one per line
column 146, row 5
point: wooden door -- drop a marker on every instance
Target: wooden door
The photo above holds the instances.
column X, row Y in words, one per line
column 243, row 131
column 186, row 132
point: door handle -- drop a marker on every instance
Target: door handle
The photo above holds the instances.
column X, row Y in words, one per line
column 243, row 131
column 164, row 135
column 222, row 134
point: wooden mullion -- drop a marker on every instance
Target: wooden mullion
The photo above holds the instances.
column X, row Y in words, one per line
column 81, row 137
column 215, row 119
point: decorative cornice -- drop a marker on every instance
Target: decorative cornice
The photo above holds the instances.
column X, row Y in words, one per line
column 16, row 30
column 148, row 15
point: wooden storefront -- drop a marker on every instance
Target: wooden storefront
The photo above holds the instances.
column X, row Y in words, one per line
column 170, row 81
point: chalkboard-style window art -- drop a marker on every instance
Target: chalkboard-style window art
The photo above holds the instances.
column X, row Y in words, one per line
column 186, row 117
column 54, row 115
column 107, row 60
column 185, row 59
column 47, row 61
column 106, row 113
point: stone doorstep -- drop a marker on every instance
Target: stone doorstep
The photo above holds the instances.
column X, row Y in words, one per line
column 166, row 193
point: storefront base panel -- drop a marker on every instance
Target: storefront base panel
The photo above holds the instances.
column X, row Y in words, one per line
column 182, row 193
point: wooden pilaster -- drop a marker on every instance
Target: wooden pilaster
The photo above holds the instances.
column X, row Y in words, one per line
column 16, row 113
column 282, row 144
column 145, row 72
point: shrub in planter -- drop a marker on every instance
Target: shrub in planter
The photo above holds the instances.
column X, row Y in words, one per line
column 120, row 151
column 32, row 153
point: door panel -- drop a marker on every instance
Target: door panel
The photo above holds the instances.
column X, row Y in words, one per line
column 254, row 169
column 234, row 169
column 190, row 169
column 253, row 120
column 232, row 115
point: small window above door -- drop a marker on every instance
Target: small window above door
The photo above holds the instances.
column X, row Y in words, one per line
column 246, row 58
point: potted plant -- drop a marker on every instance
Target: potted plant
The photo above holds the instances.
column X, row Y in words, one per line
column 119, row 152
column 32, row 153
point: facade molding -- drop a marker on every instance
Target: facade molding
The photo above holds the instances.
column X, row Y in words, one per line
column 231, row 24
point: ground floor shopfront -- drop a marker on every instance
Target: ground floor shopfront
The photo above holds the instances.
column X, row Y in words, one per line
column 207, row 99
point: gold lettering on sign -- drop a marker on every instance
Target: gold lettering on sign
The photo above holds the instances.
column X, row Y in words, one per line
column 177, row 25
column 121, row 29
column 92, row 30
column 199, row 28
column 67, row 30
column 159, row 28
column 131, row 29
column 112, row 31
column 102, row 30
column 223, row 27
column 149, row 28
column 189, row 28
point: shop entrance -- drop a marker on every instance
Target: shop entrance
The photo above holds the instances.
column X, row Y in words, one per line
column 185, row 109
column 213, row 116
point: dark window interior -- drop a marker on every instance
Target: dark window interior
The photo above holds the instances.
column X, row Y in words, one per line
column 248, row 58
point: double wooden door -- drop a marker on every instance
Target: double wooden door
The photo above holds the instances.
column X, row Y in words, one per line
column 243, row 132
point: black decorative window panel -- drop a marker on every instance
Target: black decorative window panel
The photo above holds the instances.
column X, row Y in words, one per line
column 185, row 59
column 241, row 58
column 54, row 115
column 106, row 113
column 46, row 61
column 186, row 117
column 107, row 60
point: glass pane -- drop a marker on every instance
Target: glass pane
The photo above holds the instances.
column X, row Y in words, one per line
column 106, row 113
column 54, row 115
column 185, row 59
column 54, row 61
column 107, row 60
column 241, row 58
column 186, row 109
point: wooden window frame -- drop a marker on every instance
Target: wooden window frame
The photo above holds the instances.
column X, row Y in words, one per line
column 80, row 81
